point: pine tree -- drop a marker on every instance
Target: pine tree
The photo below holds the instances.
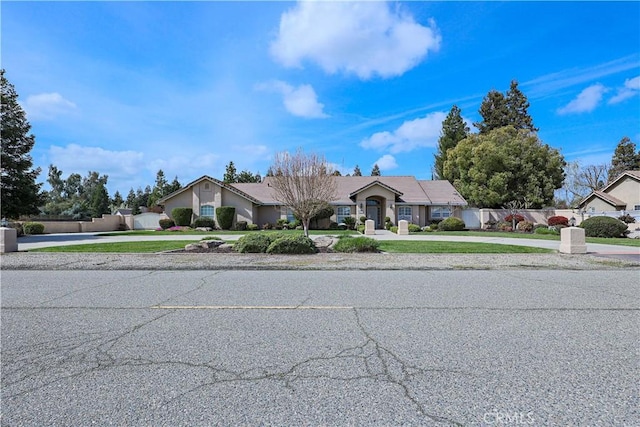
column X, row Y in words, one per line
column 356, row 171
column 20, row 195
column 454, row 130
column 99, row 201
column 117, row 200
column 376, row 170
column 494, row 112
column 625, row 157
column 174, row 186
column 230, row 175
column 518, row 106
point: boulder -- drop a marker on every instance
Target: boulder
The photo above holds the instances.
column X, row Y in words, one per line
column 208, row 244
column 323, row 242
column 192, row 247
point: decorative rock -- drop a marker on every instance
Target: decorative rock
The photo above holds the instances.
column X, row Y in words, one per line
column 207, row 244
column 192, row 247
column 572, row 241
column 369, row 227
column 403, row 227
column 323, row 241
column 203, row 228
column 225, row 247
column 8, row 240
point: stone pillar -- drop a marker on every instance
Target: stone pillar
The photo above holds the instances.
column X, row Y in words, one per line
column 403, row 227
column 369, row 227
column 8, row 240
column 572, row 241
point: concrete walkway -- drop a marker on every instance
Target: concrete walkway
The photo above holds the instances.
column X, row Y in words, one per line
column 26, row 243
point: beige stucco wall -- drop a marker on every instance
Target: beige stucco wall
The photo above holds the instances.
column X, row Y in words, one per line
column 106, row 223
column 386, row 197
column 183, row 200
column 628, row 190
column 244, row 208
column 269, row 214
column 599, row 205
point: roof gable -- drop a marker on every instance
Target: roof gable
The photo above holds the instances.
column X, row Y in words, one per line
column 373, row 183
column 214, row 181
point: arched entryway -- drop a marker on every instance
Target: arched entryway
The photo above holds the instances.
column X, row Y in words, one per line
column 375, row 210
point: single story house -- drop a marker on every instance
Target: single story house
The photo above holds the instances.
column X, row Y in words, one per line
column 376, row 197
column 622, row 194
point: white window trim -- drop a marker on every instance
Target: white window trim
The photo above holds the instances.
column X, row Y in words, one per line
column 404, row 216
column 213, row 211
column 441, row 212
column 340, row 217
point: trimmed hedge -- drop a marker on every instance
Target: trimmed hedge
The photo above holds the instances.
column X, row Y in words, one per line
column 414, row 228
column 225, row 215
column 33, row 228
column 546, row 230
column 451, row 224
column 296, row 244
column 166, row 223
column 241, row 225
column 558, row 220
column 204, row 222
column 356, row 244
column 603, row 226
column 182, row 216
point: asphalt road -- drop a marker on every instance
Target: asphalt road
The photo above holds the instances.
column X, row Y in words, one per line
column 152, row 348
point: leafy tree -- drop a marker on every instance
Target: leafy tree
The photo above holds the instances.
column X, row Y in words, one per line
column 56, row 182
column 376, row 170
column 302, row 183
column 498, row 110
column 230, row 175
column 625, row 157
column 454, row 130
column 20, row 195
column 356, row 171
column 73, row 186
column 247, row 177
column 518, row 106
column 506, row 164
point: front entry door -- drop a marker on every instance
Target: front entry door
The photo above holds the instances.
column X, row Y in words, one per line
column 373, row 213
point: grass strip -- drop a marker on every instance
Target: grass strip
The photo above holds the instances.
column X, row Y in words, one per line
column 485, row 234
column 223, row 232
column 120, row 247
column 430, row 247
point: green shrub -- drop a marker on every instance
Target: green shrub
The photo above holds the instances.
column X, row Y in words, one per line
column 363, row 219
column 525, row 226
column 357, row 244
column 546, row 230
column 603, row 226
column 414, row 228
column 204, row 222
column 241, row 225
column 504, row 226
column 393, row 229
column 33, row 228
column 282, row 223
column 293, row 225
column 451, row 224
column 252, row 227
column 166, row 223
column 333, row 226
column 253, row 243
column 292, row 244
column 225, row 215
column 350, row 222
column 360, row 228
column 182, row 216
column 267, row 226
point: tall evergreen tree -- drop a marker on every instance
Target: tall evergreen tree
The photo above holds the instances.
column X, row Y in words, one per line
column 131, row 199
column 160, row 188
column 376, row 170
column 230, row 174
column 20, row 195
column 356, row 171
column 518, row 109
column 625, row 157
column 247, row 177
column 99, row 201
column 117, row 201
column 174, row 186
column 494, row 112
column 454, row 130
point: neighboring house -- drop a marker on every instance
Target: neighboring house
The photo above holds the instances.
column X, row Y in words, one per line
column 376, row 197
column 623, row 194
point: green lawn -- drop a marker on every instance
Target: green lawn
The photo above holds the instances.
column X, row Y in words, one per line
column 485, row 234
column 223, row 232
column 121, row 247
column 430, row 247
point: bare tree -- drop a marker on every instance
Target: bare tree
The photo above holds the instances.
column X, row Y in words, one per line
column 303, row 183
column 581, row 181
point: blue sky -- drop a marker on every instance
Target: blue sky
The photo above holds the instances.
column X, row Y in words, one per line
column 127, row 88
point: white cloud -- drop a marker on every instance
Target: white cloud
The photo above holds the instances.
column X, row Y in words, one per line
column 631, row 88
column 386, row 162
column 77, row 159
column 586, row 101
column 363, row 38
column 300, row 101
column 412, row 134
column 46, row 106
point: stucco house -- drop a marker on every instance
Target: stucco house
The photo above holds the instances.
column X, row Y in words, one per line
column 622, row 194
column 376, row 197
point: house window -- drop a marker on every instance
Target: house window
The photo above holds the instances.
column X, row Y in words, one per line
column 290, row 216
column 404, row 212
column 636, row 208
column 440, row 212
column 207, row 186
column 342, row 212
column 206, row 211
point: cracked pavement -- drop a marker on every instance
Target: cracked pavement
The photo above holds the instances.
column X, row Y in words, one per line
column 320, row 347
